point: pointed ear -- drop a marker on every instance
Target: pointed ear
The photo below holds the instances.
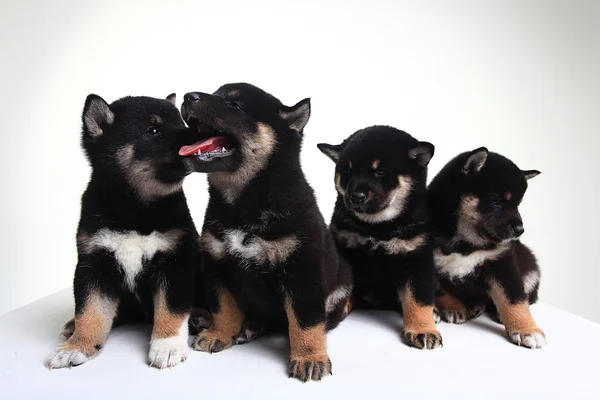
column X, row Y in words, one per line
column 172, row 98
column 97, row 115
column 532, row 173
column 330, row 150
column 476, row 160
column 297, row 116
column 422, row 153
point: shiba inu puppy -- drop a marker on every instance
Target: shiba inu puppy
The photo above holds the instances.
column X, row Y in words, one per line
column 380, row 224
column 480, row 262
column 268, row 256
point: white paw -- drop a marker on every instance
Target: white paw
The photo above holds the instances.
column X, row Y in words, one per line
column 62, row 358
column 167, row 353
column 436, row 316
column 534, row 340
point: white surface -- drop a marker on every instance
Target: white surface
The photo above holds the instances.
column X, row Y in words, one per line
column 477, row 361
column 520, row 77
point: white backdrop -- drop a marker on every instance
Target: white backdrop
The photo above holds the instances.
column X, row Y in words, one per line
column 518, row 77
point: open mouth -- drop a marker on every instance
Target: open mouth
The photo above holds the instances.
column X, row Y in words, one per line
column 218, row 146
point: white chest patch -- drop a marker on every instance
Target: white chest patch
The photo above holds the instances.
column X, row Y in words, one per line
column 251, row 248
column 458, row 266
column 392, row 246
column 129, row 248
column 530, row 280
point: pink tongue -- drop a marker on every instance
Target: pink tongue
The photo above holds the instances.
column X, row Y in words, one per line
column 204, row 146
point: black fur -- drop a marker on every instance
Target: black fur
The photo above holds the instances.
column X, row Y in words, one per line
column 380, row 170
column 273, row 200
column 497, row 186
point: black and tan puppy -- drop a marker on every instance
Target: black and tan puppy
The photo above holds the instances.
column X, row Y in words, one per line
column 136, row 242
column 268, row 255
column 480, row 262
column 380, row 224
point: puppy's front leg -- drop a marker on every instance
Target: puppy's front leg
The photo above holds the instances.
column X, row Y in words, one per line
column 94, row 316
column 169, row 344
column 419, row 327
column 227, row 321
column 308, row 340
column 514, row 312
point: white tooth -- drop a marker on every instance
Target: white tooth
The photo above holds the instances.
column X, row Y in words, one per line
column 223, row 150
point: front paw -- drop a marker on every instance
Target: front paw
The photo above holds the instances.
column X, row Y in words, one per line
column 534, row 339
column 212, row 342
column 167, row 352
column 422, row 340
column 312, row 367
column 63, row 358
column 461, row 316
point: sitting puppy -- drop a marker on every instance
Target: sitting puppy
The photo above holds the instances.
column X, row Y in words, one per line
column 136, row 241
column 268, row 257
column 380, row 224
column 480, row 262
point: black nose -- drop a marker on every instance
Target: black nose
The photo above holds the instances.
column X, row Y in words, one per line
column 191, row 97
column 358, row 198
column 518, row 230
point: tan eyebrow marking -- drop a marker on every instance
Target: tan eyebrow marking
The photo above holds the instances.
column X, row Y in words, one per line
column 375, row 164
column 155, row 119
column 350, row 164
column 234, row 93
column 508, row 196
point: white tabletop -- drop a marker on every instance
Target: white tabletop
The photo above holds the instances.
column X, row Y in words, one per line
column 368, row 359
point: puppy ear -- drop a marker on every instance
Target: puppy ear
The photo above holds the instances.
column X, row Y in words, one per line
column 97, row 115
column 476, row 160
column 422, row 153
column 330, row 150
column 532, row 173
column 296, row 116
column 172, row 98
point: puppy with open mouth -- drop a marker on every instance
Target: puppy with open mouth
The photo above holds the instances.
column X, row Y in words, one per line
column 380, row 224
column 268, row 256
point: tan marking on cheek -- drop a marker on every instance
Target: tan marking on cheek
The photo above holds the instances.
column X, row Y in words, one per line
column 375, row 164
column 166, row 322
column 338, row 184
column 92, row 324
column 229, row 319
column 515, row 317
column 348, row 307
column 304, row 341
column 508, row 195
column 417, row 318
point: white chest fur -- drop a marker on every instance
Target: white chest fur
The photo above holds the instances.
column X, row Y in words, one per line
column 458, row 266
column 130, row 249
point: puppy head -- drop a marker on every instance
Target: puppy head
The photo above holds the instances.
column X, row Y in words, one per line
column 138, row 138
column 378, row 169
column 241, row 127
column 490, row 188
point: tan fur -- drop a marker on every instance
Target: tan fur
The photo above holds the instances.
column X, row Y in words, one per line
column 446, row 302
column 417, row 318
column 468, row 217
column 166, row 322
column 256, row 150
column 350, row 164
column 215, row 247
column 338, row 184
column 515, row 317
column 156, row 120
column 305, row 341
column 375, row 164
column 393, row 246
column 396, row 200
column 508, row 195
column 226, row 324
column 92, row 324
column 141, row 176
column 234, row 93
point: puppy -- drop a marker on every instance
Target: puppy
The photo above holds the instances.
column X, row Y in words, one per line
column 136, row 242
column 380, row 224
column 480, row 262
column 269, row 258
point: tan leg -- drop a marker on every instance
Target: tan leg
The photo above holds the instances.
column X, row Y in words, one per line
column 419, row 327
column 169, row 345
column 517, row 319
column 92, row 326
column 308, row 349
column 226, row 325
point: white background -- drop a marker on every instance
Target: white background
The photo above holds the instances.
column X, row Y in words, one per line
column 521, row 78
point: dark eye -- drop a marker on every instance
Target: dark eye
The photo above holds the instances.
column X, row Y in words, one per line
column 153, row 130
column 380, row 172
column 234, row 104
column 497, row 203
